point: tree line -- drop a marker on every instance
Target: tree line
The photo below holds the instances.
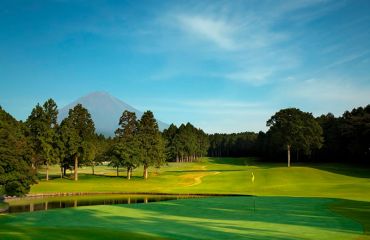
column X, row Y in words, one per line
column 232, row 145
column 41, row 141
column 292, row 134
column 299, row 136
column 185, row 143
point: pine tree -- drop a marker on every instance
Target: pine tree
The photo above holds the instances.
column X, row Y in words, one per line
column 126, row 148
column 151, row 142
column 16, row 172
column 78, row 131
column 42, row 124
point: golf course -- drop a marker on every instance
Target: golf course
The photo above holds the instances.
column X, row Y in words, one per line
column 305, row 201
column 185, row 120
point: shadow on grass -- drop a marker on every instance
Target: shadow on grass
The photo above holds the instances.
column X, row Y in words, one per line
column 246, row 161
column 207, row 218
column 356, row 210
column 360, row 171
column 231, row 161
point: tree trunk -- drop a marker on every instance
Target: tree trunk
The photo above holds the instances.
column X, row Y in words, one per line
column 76, row 168
column 117, row 171
column 128, row 173
column 93, row 168
column 145, row 172
column 47, row 171
column 288, row 148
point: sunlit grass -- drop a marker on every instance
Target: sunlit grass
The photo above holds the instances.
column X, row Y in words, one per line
column 221, row 175
column 208, row 218
column 295, row 214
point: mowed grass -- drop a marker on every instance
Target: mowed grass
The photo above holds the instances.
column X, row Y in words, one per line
column 223, row 175
column 305, row 201
column 207, row 218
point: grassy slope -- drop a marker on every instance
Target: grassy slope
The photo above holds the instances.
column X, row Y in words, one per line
column 220, row 176
column 209, row 218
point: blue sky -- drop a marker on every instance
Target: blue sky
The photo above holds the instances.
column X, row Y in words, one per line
column 225, row 66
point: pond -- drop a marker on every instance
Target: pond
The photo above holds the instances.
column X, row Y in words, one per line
column 30, row 204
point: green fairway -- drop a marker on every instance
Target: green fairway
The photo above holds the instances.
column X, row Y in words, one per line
column 210, row 218
column 305, row 201
column 224, row 175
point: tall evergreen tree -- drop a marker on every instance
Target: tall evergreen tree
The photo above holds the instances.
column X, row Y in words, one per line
column 151, row 142
column 169, row 135
column 42, row 124
column 16, row 172
column 127, row 146
column 78, row 131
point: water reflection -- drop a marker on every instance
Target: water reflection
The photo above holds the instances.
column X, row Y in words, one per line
column 46, row 203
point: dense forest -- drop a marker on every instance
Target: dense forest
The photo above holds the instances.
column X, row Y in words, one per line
column 185, row 143
column 293, row 134
column 343, row 139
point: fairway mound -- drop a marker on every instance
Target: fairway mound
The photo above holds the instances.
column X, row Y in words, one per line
column 196, row 178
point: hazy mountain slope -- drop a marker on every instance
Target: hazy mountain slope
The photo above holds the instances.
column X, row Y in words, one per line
column 105, row 110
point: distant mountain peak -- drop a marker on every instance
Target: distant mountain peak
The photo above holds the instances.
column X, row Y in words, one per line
column 105, row 111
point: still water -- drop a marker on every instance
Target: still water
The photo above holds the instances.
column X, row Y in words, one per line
column 45, row 203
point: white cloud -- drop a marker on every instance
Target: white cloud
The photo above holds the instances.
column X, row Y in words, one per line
column 216, row 31
column 255, row 77
column 335, row 90
column 326, row 94
column 245, row 40
column 347, row 59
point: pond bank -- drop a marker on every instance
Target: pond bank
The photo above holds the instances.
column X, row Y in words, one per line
column 35, row 195
column 44, row 202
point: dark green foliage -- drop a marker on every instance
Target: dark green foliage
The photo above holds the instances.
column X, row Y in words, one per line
column 169, row 135
column 151, row 143
column 126, row 150
column 97, row 154
column 232, row 145
column 42, row 125
column 295, row 129
column 333, row 142
column 355, row 129
column 77, row 134
column 298, row 129
column 186, row 143
column 16, row 173
column 347, row 137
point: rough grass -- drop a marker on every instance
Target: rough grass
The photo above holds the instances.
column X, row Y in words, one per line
column 207, row 218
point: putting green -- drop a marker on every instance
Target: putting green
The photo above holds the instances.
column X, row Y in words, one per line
column 207, row 218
